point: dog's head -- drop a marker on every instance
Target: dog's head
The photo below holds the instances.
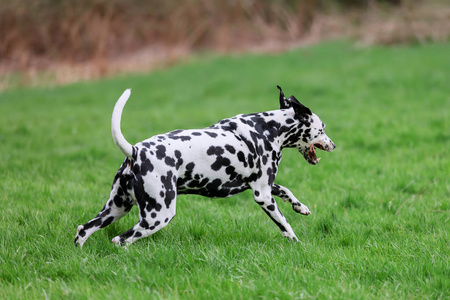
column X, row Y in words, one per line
column 309, row 131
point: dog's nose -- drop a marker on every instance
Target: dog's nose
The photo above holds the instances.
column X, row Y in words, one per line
column 334, row 146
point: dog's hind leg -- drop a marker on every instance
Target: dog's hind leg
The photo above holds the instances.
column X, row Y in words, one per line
column 285, row 194
column 148, row 225
column 118, row 205
column 264, row 198
column 156, row 199
column 145, row 227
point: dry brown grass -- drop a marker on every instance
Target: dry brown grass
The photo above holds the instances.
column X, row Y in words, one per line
column 425, row 21
column 59, row 42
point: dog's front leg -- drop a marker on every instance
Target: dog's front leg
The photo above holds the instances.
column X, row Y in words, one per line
column 285, row 194
column 264, row 198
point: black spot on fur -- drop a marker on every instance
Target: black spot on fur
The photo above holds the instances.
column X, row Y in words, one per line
column 160, row 152
column 264, row 159
column 144, row 224
column 230, row 149
column 253, row 177
column 250, row 146
column 231, row 126
column 105, row 212
column 167, row 182
column 118, row 201
column 183, row 138
column 214, row 185
column 260, row 150
column 215, row 150
column 267, row 146
column 144, row 201
column 146, row 166
column 250, row 160
column 136, row 168
column 190, row 166
column 169, row 161
column 220, row 162
column 241, row 158
column 282, row 228
column 230, row 170
column 211, row 134
column 271, row 176
column 107, row 222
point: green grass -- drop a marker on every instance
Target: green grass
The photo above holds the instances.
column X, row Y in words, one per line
column 380, row 203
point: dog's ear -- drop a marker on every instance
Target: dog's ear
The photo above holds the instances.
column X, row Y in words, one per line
column 284, row 103
column 299, row 108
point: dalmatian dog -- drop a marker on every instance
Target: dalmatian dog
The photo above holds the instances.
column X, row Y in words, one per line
column 236, row 154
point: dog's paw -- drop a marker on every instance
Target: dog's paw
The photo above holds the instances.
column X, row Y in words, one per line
column 80, row 237
column 301, row 208
column 120, row 242
column 290, row 237
column 117, row 240
column 77, row 242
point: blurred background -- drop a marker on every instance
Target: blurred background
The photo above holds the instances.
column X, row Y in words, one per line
column 55, row 42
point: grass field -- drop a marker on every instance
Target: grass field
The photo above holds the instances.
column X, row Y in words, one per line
column 380, row 202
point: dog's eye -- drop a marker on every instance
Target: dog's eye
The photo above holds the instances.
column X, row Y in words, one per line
column 323, row 125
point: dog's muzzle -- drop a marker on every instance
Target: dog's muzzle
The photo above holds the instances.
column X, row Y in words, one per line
column 311, row 156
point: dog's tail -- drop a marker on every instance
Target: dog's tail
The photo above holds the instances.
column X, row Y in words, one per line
column 117, row 135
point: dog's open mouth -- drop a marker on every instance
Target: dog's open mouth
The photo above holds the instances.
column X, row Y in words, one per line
column 312, row 157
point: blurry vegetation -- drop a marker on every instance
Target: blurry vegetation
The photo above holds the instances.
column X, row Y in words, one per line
column 37, row 34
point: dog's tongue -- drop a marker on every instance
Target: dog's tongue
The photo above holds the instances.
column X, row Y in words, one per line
column 312, row 154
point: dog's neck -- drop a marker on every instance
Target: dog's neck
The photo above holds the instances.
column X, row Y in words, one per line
column 281, row 128
column 293, row 128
